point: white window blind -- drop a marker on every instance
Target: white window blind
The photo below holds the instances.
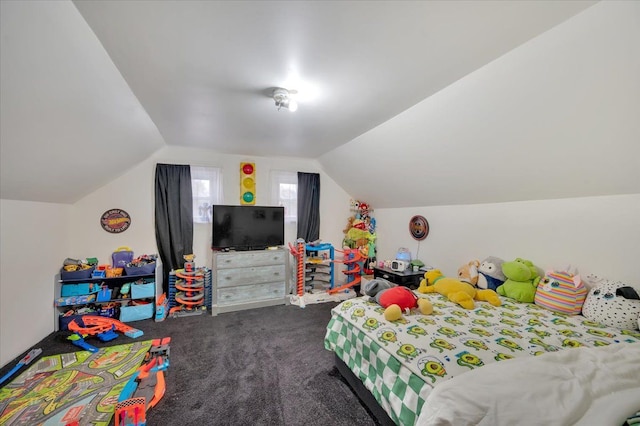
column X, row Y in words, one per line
column 206, row 186
column 284, row 192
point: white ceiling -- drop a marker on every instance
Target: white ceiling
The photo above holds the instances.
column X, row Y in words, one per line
column 202, row 69
column 90, row 88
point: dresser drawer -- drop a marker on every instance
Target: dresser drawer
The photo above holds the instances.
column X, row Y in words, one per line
column 253, row 258
column 254, row 275
column 249, row 293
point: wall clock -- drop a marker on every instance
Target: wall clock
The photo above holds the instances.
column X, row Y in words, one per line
column 419, row 227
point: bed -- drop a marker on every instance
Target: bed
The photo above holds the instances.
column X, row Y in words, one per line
column 490, row 365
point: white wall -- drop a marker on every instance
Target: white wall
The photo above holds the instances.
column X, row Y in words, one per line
column 598, row 234
column 134, row 193
column 37, row 237
column 34, row 243
column 558, row 117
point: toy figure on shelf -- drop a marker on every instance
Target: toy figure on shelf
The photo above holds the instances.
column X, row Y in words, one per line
column 360, row 233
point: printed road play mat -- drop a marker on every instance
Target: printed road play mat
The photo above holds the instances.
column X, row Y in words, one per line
column 78, row 386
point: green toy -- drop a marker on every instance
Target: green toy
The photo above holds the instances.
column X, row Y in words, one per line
column 522, row 280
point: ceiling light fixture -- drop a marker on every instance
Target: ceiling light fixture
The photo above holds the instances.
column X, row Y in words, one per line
column 283, row 98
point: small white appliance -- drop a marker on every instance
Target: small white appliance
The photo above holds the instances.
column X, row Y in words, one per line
column 399, row 265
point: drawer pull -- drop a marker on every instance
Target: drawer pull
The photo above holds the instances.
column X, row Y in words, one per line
column 385, row 276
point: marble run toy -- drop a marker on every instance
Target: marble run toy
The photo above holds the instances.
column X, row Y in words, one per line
column 352, row 259
column 189, row 299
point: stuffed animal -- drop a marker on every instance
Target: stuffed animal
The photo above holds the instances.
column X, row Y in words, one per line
column 562, row 292
column 456, row 291
column 522, row 280
column 395, row 299
column 615, row 304
column 490, row 273
column 349, row 224
column 468, row 273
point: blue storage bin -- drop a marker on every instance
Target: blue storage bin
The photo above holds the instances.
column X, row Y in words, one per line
column 147, row 269
column 83, row 274
column 104, row 295
column 140, row 291
column 121, row 257
column 137, row 312
column 79, row 289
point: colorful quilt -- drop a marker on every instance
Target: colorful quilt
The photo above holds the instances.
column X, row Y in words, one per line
column 78, row 386
column 400, row 362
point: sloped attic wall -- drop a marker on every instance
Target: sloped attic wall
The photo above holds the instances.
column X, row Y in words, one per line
column 596, row 235
column 555, row 118
column 522, row 158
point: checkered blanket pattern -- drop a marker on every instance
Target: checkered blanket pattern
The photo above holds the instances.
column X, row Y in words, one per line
column 398, row 391
column 400, row 362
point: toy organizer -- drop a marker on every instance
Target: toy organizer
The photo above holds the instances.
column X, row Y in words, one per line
column 318, row 266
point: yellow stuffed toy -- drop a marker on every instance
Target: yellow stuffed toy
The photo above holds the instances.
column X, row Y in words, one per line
column 456, row 291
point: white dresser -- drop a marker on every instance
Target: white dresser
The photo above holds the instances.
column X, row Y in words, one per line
column 249, row 279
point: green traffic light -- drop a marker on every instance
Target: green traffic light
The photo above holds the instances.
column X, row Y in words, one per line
column 247, row 197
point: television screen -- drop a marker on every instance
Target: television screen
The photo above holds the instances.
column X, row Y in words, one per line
column 247, row 227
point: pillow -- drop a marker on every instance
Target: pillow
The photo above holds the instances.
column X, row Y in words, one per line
column 613, row 303
column 561, row 292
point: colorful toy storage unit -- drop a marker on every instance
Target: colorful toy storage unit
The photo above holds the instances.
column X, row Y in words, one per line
column 319, row 266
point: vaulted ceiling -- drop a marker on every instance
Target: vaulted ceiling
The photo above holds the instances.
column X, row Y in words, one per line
column 90, row 88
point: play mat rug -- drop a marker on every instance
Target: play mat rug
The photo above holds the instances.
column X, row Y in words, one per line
column 78, row 386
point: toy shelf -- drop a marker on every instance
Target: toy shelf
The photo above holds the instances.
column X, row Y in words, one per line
column 123, row 278
column 58, row 304
column 319, row 265
column 73, row 302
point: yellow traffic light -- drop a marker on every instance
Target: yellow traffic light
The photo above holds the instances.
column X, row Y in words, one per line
column 247, row 183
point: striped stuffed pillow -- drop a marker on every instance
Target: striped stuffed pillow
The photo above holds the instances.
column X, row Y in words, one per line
column 561, row 292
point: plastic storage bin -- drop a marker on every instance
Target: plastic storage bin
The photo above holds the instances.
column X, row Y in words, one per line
column 140, row 291
column 79, row 289
column 147, row 269
column 82, row 274
column 136, row 312
column 121, row 256
column 104, row 295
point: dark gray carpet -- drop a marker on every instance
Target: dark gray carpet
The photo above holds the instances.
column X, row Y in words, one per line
column 263, row 366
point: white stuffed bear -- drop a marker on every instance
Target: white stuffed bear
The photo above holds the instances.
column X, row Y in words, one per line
column 613, row 303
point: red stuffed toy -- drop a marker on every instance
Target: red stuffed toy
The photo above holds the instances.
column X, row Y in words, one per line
column 395, row 299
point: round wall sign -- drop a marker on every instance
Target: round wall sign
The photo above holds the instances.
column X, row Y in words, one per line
column 115, row 221
column 419, row 227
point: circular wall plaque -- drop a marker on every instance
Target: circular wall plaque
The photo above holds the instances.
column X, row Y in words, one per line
column 419, row 227
column 115, row 221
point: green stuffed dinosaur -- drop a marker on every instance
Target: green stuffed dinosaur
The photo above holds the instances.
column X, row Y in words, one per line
column 522, row 280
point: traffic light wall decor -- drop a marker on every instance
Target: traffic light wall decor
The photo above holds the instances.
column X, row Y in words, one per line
column 247, row 183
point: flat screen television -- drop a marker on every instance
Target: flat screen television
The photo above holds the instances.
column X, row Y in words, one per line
column 247, row 227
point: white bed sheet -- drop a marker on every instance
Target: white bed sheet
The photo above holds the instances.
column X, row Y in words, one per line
column 583, row 386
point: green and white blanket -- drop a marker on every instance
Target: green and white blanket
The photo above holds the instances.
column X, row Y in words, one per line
column 400, row 362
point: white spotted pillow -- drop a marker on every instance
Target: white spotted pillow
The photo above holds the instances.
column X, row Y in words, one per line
column 612, row 303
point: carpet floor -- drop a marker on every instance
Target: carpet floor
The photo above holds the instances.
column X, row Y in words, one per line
column 264, row 366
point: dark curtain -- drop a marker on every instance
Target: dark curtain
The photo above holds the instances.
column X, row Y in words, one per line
column 174, row 217
column 309, row 206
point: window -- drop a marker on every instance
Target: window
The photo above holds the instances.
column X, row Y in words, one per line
column 206, row 186
column 284, row 192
